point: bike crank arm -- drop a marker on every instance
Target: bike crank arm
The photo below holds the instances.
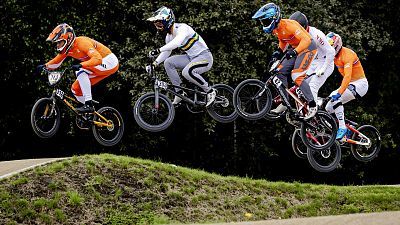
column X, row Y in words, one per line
column 102, row 124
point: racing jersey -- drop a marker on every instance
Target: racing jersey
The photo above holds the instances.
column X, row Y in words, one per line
column 325, row 52
column 292, row 33
column 183, row 37
column 85, row 49
column 349, row 66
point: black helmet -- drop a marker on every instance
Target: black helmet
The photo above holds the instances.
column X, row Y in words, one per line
column 300, row 18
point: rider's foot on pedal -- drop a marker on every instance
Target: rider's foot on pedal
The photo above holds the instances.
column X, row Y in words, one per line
column 341, row 133
column 86, row 108
column 311, row 112
column 279, row 109
column 177, row 99
column 211, row 96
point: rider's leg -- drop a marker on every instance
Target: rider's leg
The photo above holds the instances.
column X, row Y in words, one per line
column 315, row 82
column 356, row 89
column 197, row 66
column 285, row 69
column 303, row 62
column 87, row 78
column 172, row 64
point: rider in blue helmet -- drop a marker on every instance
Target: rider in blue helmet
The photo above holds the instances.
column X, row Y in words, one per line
column 269, row 15
column 300, row 51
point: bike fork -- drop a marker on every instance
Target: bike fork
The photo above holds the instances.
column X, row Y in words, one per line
column 156, row 98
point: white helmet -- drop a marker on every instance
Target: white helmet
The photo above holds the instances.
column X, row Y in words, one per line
column 165, row 16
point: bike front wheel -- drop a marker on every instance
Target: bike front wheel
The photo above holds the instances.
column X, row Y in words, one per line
column 222, row 110
column 252, row 99
column 152, row 117
column 325, row 160
column 319, row 132
column 372, row 141
column 108, row 126
column 45, row 118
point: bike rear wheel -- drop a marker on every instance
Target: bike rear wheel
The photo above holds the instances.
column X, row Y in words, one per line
column 252, row 99
column 111, row 134
column 45, row 118
column 319, row 132
column 325, row 160
column 366, row 153
column 152, row 117
column 222, row 110
column 299, row 149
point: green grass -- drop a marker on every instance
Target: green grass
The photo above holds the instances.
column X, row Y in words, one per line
column 111, row 189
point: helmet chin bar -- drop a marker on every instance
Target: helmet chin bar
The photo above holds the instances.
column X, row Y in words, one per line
column 62, row 47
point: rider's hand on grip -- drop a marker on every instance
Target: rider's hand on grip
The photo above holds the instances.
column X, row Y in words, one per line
column 320, row 72
column 335, row 97
column 154, row 53
column 76, row 67
column 39, row 68
column 149, row 68
column 290, row 54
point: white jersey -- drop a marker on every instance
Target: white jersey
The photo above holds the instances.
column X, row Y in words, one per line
column 185, row 38
column 325, row 52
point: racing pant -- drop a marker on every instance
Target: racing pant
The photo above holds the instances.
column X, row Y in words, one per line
column 356, row 89
column 192, row 68
column 87, row 77
column 297, row 68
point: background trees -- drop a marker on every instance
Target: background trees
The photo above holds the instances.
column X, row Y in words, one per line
column 240, row 49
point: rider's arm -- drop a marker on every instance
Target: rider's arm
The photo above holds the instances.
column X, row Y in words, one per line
column 56, row 62
column 94, row 55
column 182, row 33
column 348, row 69
column 327, row 49
column 300, row 34
column 162, row 57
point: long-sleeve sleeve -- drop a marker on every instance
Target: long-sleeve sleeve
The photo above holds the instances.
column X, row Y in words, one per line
column 177, row 41
column 302, row 35
column 330, row 53
column 56, row 61
column 162, row 57
column 94, row 55
column 348, row 69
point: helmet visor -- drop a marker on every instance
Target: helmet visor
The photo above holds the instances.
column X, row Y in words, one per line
column 158, row 24
column 266, row 22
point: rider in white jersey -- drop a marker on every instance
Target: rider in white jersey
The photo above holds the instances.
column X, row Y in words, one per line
column 322, row 66
column 197, row 60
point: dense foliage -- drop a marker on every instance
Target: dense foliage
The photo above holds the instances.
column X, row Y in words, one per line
column 240, row 51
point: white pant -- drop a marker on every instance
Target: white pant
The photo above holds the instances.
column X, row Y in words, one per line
column 355, row 89
column 315, row 82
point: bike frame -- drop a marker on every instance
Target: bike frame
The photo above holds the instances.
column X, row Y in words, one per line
column 60, row 95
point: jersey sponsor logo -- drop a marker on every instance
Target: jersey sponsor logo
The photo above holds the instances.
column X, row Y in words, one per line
column 297, row 32
column 320, row 40
column 91, row 50
column 347, row 65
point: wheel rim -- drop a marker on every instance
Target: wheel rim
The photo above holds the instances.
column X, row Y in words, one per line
column 249, row 101
column 367, row 151
column 326, row 158
column 45, row 120
column 223, row 105
column 151, row 114
column 319, row 131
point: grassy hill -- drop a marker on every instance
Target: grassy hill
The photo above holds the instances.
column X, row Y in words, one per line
column 108, row 189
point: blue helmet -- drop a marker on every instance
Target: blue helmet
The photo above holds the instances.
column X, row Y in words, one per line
column 269, row 15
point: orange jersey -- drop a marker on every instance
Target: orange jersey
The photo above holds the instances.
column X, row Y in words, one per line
column 85, row 49
column 291, row 32
column 349, row 66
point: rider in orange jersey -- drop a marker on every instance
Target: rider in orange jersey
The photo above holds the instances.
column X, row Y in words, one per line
column 97, row 62
column 354, row 84
column 298, row 58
